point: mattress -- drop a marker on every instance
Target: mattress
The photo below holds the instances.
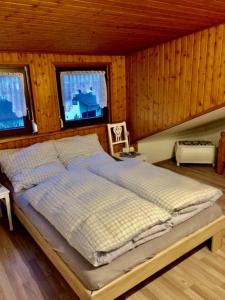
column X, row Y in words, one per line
column 95, row 278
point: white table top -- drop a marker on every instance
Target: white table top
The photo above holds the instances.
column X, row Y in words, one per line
column 3, row 191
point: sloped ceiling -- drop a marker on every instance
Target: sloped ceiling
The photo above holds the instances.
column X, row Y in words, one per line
column 212, row 117
column 101, row 26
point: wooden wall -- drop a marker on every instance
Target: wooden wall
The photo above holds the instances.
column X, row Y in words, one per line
column 43, row 81
column 25, row 141
column 175, row 81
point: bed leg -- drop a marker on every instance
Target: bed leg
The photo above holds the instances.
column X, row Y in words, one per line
column 216, row 241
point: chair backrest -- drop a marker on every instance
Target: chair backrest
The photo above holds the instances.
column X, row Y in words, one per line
column 117, row 134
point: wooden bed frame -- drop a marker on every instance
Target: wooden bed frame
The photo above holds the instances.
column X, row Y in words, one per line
column 213, row 231
column 120, row 285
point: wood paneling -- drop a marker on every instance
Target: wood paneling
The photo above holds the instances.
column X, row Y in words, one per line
column 175, row 81
column 44, row 88
column 25, row 141
column 99, row 26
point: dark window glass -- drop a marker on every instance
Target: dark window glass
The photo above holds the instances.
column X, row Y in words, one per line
column 83, row 96
column 14, row 102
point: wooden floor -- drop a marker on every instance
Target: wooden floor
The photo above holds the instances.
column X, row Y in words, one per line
column 25, row 272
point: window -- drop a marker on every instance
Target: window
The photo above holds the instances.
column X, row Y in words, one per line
column 14, row 101
column 83, row 96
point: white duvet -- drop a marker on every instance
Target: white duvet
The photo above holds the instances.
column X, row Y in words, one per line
column 175, row 193
column 98, row 218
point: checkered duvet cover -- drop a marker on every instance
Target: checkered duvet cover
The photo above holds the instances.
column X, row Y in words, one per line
column 176, row 193
column 98, row 218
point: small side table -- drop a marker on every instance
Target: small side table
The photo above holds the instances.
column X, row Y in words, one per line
column 4, row 197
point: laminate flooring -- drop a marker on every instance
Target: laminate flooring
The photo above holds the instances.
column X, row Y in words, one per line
column 26, row 273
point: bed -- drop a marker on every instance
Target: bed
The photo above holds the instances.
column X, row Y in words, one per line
column 89, row 283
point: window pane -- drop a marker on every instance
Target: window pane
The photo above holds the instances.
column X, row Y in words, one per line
column 12, row 101
column 84, row 94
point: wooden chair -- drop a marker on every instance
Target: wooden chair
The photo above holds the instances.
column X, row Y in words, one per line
column 118, row 135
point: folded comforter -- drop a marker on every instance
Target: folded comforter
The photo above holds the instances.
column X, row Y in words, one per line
column 175, row 193
column 98, row 218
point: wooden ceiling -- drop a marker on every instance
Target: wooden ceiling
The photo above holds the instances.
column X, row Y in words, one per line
column 101, row 26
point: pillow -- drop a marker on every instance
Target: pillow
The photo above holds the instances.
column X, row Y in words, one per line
column 31, row 177
column 6, row 156
column 29, row 157
column 30, row 166
column 86, row 162
column 77, row 147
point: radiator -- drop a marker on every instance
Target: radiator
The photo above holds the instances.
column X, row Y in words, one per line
column 200, row 152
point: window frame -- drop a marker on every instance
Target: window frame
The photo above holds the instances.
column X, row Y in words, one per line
column 89, row 121
column 27, row 129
